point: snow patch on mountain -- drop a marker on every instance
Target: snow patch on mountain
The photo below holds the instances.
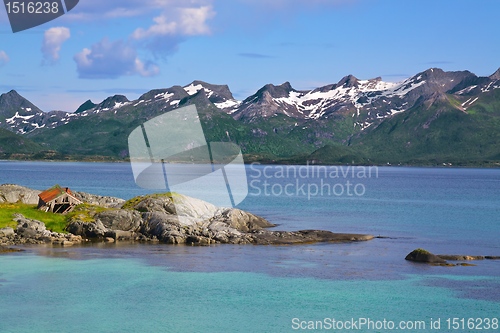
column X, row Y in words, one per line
column 17, row 116
column 230, row 103
column 402, row 88
column 192, row 89
column 466, row 90
column 313, row 104
column 165, row 95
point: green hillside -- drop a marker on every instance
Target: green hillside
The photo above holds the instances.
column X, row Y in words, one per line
column 438, row 133
column 436, row 130
column 11, row 143
column 107, row 134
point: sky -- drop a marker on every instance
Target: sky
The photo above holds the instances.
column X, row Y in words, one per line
column 128, row 47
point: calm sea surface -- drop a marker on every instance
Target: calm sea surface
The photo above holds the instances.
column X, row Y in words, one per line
column 231, row 288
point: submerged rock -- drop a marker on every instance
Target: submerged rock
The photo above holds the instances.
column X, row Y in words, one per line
column 8, row 250
column 306, row 236
column 456, row 257
column 421, row 255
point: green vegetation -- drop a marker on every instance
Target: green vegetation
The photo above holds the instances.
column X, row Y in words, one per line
column 338, row 154
column 53, row 222
column 84, row 212
column 436, row 134
column 421, row 251
column 130, row 204
column 433, row 132
column 11, row 143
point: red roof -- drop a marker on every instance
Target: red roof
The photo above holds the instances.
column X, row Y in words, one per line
column 54, row 192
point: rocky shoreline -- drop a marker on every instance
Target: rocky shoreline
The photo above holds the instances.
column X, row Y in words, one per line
column 168, row 218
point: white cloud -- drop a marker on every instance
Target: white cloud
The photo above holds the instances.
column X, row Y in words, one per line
column 4, row 58
column 182, row 21
column 148, row 69
column 173, row 22
column 110, row 60
column 53, row 39
column 96, row 10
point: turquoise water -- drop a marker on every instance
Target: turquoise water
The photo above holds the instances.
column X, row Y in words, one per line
column 41, row 294
column 230, row 288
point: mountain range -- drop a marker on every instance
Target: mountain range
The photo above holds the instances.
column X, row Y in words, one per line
column 432, row 118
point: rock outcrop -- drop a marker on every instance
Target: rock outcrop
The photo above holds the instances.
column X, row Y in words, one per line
column 424, row 256
column 121, row 219
column 177, row 219
column 305, row 236
column 15, row 193
column 170, row 218
column 457, row 257
column 99, row 200
column 34, row 232
column 4, row 250
column 421, row 255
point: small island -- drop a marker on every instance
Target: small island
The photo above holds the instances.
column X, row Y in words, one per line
column 423, row 256
column 169, row 218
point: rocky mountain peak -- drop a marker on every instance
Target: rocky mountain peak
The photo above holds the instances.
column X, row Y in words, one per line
column 282, row 90
column 286, row 86
column 111, row 102
column 437, row 80
column 10, row 99
column 216, row 93
column 12, row 102
column 496, row 75
column 175, row 92
column 85, row 106
column 199, row 98
column 432, row 72
column 11, row 94
column 348, row 81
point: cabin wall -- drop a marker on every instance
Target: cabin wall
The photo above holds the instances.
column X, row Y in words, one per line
column 62, row 204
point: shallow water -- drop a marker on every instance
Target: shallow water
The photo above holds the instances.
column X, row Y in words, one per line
column 133, row 287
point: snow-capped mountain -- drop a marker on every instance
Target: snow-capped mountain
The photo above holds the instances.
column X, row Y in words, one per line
column 367, row 102
column 423, row 118
column 219, row 95
column 19, row 115
column 166, row 99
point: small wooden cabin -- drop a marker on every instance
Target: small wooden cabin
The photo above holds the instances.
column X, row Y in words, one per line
column 57, row 200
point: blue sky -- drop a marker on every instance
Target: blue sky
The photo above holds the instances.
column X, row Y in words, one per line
column 129, row 47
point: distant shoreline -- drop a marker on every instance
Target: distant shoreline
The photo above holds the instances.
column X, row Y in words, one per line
column 484, row 165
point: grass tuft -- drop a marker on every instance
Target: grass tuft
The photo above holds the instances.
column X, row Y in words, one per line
column 130, row 204
column 53, row 222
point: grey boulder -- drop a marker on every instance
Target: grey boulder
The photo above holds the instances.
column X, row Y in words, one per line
column 15, row 193
column 120, row 219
